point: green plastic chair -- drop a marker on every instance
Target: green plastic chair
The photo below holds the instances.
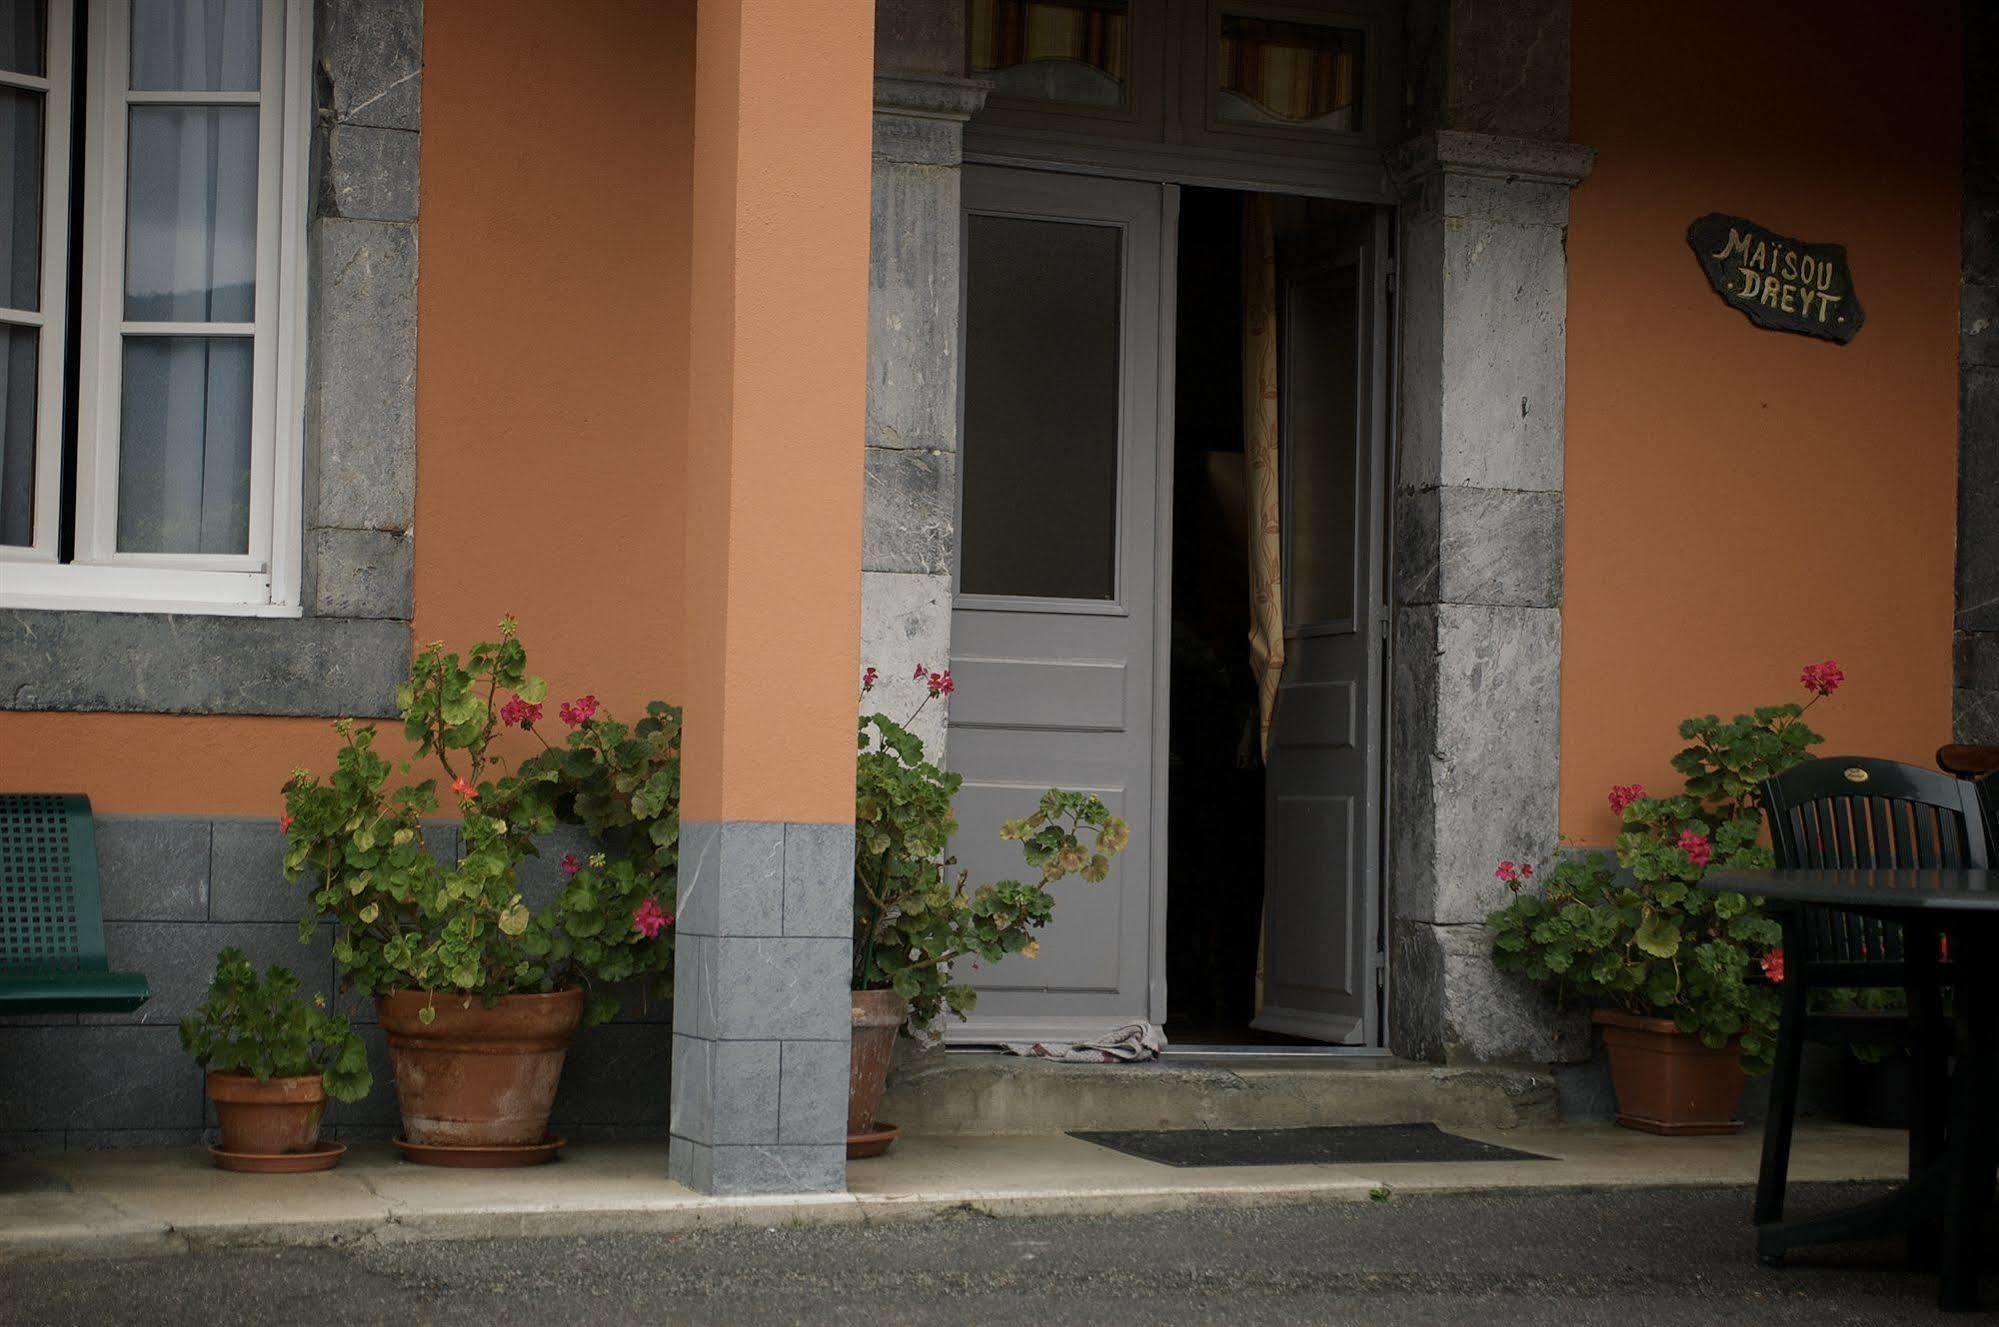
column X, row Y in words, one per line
column 51, row 913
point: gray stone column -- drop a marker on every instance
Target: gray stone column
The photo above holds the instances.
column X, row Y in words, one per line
column 1975, row 707
column 910, row 535
column 1477, row 640
column 765, row 935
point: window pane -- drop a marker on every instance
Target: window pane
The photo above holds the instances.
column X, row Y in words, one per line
column 21, row 201
column 1041, row 408
column 1072, row 51
column 1321, row 442
column 1302, row 74
column 17, row 435
column 196, row 45
column 23, row 37
column 184, row 448
column 191, row 245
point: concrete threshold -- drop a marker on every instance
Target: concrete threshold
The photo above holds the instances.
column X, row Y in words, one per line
column 166, row 1201
column 1007, row 1094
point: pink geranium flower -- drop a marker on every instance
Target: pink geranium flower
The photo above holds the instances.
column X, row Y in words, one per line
column 1698, row 850
column 941, row 684
column 571, row 864
column 1508, row 871
column 918, row 675
column 650, row 919
column 1822, row 679
column 868, row 680
column 518, row 713
column 578, row 712
column 1623, row 795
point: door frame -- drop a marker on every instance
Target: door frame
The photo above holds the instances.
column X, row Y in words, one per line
column 1247, row 174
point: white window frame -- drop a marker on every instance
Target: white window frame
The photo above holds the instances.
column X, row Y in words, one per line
column 264, row 581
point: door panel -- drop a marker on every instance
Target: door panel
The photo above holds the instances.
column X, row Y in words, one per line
column 1322, row 853
column 1052, row 625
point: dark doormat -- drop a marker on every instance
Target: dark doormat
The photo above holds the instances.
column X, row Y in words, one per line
column 1359, row 1144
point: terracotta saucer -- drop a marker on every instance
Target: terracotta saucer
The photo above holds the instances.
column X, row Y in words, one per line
column 491, row 1156
column 873, row 1143
column 323, row 1157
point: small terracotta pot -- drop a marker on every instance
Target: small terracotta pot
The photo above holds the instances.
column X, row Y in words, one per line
column 878, row 1016
column 476, row 1076
column 1668, row 1082
column 269, row 1117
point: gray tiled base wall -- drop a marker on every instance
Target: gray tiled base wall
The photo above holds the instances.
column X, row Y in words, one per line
column 179, row 888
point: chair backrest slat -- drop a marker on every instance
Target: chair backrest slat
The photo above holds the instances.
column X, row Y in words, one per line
column 1855, row 812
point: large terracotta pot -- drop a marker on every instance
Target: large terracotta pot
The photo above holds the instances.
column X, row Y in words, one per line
column 878, row 1016
column 272, row 1117
column 1668, row 1082
column 476, row 1077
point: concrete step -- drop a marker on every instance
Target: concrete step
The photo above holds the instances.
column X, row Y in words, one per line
column 975, row 1093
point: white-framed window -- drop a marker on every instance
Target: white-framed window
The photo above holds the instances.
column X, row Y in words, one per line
column 152, row 314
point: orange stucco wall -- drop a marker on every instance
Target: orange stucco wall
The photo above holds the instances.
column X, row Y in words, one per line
column 783, row 118
column 552, row 360
column 1743, row 501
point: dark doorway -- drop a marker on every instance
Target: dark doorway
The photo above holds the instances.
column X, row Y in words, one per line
column 1226, row 984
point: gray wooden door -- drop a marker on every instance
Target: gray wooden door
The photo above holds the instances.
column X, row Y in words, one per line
column 1052, row 624
column 1322, row 852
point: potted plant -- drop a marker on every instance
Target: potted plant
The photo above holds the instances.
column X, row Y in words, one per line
column 1681, row 978
column 912, row 921
column 478, row 994
column 273, row 1059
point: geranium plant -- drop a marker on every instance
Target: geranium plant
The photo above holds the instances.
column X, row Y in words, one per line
column 403, row 919
column 1635, row 932
column 912, row 919
column 263, row 1027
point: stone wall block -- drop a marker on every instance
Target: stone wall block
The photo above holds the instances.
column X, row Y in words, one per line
column 746, row 1090
column 906, row 620
column 1485, row 780
column 362, row 408
column 1503, row 356
column 247, row 873
column 1978, row 325
column 908, row 518
column 616, row 1074
column 1451, row 1003
column 178, row 960
column 1978, row 495
column 152, row 868
column 97, row 1078
column 1479, row 546
column 913, row 307
column 918, row 140
column 169, row 664
column 370, row 61
column 812, row 1106
column 818, row 881
column 779, row 989
column 366, row 173
column 362, row 573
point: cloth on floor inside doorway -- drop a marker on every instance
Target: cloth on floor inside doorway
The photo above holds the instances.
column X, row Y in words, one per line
column 1131, row 1043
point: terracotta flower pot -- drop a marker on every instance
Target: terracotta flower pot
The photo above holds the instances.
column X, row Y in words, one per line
column 476, row 1077
column 1668, row 1082
column 272, row 1117
column 878, row 1016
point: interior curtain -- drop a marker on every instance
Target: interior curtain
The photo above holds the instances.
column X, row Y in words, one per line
column 1259, row 431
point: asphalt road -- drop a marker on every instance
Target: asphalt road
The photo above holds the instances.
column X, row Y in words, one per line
column 1625, row 1257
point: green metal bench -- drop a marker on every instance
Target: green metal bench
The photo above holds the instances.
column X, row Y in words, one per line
column 51, row 915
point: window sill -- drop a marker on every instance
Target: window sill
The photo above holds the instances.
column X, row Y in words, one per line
column 126, row 588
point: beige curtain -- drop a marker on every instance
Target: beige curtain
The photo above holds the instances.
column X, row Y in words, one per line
column 1259, row 431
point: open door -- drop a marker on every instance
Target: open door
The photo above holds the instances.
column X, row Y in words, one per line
column 1321, row 968
column 1052, row 623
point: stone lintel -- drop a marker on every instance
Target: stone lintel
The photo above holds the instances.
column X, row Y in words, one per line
column 930, row 96
column 1494, row 156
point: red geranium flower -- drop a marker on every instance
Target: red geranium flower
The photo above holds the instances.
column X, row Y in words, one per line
column 1698, row 850
column 649, row 919
column 1773, row 965
column 1623, row 795
column 1822, row 679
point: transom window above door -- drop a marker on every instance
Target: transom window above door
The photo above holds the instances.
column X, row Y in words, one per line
column 1283, row 77
column 151, row 303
